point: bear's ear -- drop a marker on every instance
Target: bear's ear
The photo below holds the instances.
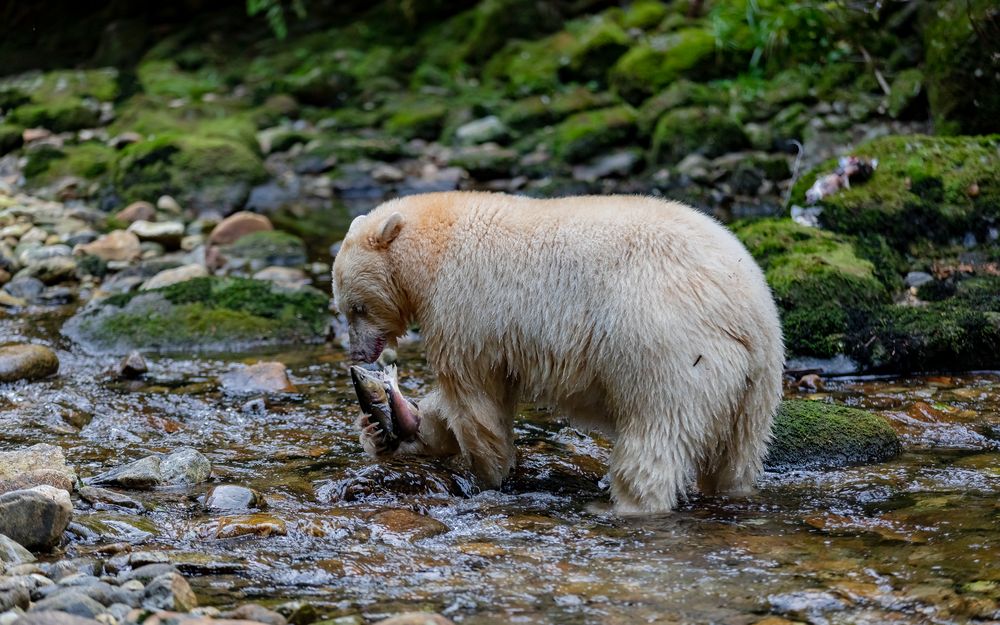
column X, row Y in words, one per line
column 390, row 229
column 354, row 224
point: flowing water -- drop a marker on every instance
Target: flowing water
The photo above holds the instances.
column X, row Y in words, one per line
column 916, row 540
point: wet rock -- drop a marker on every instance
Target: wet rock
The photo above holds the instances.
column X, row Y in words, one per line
column 148, row 572
column 416, row 618
column 183, row 466
column 237, row 226
column 814, row 434
column 298, row 612
column 806, row 603
column 174, row 276
column 30, row 479
column 169, row 592
column 410, row 524
column 15, row 592
column 35, row 517
column 261, row 525
column 102, row 497
column 11, row 552
column 482, row 130
column 256, row 613
column 38, row 457
column 27, row 288
column 166, row 233
column 132, row 366
column 71, row 602
column 118, row 245
column 54, row 618
column 263, row 377
column 51, row 270
column 23, row 361
column 136, row 211
column 75, row 571
column 231, row 498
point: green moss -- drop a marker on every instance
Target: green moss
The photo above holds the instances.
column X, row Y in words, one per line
column 264, row 249
column 648, row 67
column 348, row 148
column 962, row 63
column 644, row 14
column 818, row 281
column 904, row 96
column 54, row 86
column 198, row 170
column 495, row 22
column 925, row 188
column 163, row 79
column 536, row 111
column 419, row 119
column 681, row 93
column 64, row 115
column 204, row 313
column 528, row 67
column 599, row 44
column 89, row 160
column 706, row 131
column 815, row 435
column 11, row 138
column 151, row 118
column 960, row 332
column 586, row 134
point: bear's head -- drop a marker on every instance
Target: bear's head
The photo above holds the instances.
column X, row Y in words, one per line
column 365, row 286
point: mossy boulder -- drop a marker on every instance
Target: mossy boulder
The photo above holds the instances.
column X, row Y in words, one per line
column 89, row 160
column 63, row 116
column 599, row 44
column 961, row 332
column 201, row 314
column 586, row 134
column 818, row 281
column 681, row 93
column 906, row 97
column 925, row 189
column 533, row 112
column 962, row 65
column 11, row 138
column 495, row 22
column 61, row 101
column 202, row 172
column 164, row 79
column 650, row 66
column 818, row 435
column 417, row 120
column 696, row 130
column 528, row 67
column 644, row 14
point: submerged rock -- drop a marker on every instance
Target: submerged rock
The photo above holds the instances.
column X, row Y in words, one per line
column 261, row 525
column 813, row 435
column 262, row 377
column 132, row 366
column 27, row 362
column 203, row 314
column 232, row 498
column 35, row 517
column 410, row 524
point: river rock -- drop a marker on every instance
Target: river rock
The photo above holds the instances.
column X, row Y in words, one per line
column 23, row 361
column 232, row 498
column 12, row 552
column 262, row 525
column 255, row 613
column 71, row 602
column 35, row 517
column 168, row 204
column 181, row 467
column 416, row 618
column 103, row 498
column 238, row 225
column 410, row 524
column 291, row 277
column 169, row 592
column 166, row 233
column 38, row 457
column 481, row 130
column 136, row 211
column 52, row 270
column 262, row 377
column 54, row 618
column 119, row 245
column 15, row 592
column 132, row 366
column 30, row 479
column 174, row 276
column 27, row 288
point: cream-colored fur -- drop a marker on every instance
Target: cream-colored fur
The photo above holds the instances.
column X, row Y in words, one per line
column 642, row 317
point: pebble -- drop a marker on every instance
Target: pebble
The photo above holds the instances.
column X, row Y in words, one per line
column 132, row 366
column 166, row 233
column 291, row 277
column 237, row 226
column 181, row 467
column 169, row 204
column 416, row 618
column 137, row 211
column 169, row 591
column 70, row 602
column 24, row 361
column 262, row 377
column 35, row 517
column 261, row 525
column 11, row 551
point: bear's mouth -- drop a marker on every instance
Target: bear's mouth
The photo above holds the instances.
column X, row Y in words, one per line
column 371, row 352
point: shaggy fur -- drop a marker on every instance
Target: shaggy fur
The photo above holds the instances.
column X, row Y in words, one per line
column 641, row 317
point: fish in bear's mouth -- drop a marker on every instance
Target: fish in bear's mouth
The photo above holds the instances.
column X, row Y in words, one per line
column 380, row 398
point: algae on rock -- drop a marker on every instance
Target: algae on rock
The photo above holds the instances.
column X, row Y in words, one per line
column 817, row 435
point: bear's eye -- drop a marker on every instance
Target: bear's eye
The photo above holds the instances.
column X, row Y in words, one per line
column 358, row 310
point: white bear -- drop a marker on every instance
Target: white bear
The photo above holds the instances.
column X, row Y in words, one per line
column 638, row 316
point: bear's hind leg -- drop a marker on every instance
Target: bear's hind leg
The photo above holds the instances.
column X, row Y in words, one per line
column 649, row 469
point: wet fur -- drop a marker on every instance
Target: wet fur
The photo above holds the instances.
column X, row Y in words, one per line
column 641, row 317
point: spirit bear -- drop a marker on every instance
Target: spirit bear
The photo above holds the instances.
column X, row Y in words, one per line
column 640, row 317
